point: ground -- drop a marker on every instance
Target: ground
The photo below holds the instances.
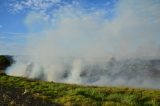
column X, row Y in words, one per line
column 22, row 91
column 19, row 91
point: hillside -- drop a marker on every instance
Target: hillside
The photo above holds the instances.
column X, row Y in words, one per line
column 18, row 91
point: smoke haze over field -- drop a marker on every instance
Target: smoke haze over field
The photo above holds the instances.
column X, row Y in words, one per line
column 74, row 45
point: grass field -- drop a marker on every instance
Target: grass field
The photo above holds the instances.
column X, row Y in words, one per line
column 18, row 91
column 35, row 92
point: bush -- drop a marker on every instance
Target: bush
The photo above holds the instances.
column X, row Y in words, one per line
column 5, row 61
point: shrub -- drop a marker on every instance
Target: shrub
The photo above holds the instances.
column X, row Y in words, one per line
column 5, row 61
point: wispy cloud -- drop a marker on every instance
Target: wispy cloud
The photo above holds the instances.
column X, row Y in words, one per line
column 50, row 7
column 11, row 33
column 41, row 5
column 4, row 37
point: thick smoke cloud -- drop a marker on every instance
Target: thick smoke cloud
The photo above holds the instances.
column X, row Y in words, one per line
column 77, row 46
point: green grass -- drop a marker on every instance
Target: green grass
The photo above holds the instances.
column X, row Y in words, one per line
column 78, row 95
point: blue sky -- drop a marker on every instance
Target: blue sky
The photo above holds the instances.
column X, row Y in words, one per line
column 12, row 20
column 13, row 13
column 136, row 21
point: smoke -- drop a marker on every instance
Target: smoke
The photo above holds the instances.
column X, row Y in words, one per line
column 74, row 45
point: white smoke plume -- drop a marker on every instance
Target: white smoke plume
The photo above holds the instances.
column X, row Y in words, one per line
column 74, row 45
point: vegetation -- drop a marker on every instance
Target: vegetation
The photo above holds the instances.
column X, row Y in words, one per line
column 5, row 61
column 18, row 91
column 43, row 93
